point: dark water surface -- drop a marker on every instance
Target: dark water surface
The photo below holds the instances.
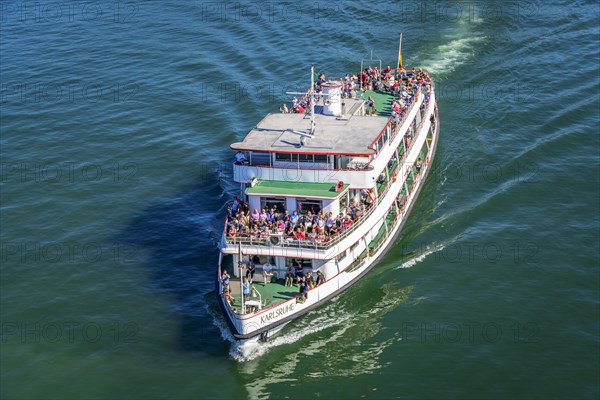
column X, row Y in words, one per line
column 116, row 120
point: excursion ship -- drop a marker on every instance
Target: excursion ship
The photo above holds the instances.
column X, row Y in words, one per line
column 326, row 185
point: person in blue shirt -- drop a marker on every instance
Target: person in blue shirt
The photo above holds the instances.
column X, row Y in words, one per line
column 294, row 219
column 246, row 288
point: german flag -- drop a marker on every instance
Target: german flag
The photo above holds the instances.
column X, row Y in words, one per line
column 400, row 53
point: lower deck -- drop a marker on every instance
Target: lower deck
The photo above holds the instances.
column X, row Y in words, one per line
column 273, row 293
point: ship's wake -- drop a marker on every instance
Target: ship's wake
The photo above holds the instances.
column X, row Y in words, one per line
column 250, row 350
column 328, row 334
column 426, row 252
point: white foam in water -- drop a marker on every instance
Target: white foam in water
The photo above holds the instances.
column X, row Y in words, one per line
column 250, row 350
column 429, row 250
column 449, row 56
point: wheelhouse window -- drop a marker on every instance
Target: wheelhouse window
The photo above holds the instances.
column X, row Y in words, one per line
column 283, row 157
column 277, row 203
column 305, row 205
column 320, row 158
column 303, row 158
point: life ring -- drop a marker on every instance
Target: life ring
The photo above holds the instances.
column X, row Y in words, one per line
column 394, row 176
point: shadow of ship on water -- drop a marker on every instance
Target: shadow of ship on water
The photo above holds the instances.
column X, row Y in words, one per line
column 180, row 235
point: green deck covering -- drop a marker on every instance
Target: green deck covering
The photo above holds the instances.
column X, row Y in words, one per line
column 296, row 189
column 383, row 102
column 272, row 294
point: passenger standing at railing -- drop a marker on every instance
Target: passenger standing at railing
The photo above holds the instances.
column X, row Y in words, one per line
column 255, row 231
column 310, row 283
column 329, row 222
column 250, row 271
column 267, row 272
column 419, row 165
column 289, row 232
column 289, row 276
column 321, row 237
column 280, row 226
column 320, row 278
column 240, row 158
column 303, row 289
column 333, row 230
column 235, row 205
column 232, row 231
column 225, row 280
column 347, row 222
column 299, row 271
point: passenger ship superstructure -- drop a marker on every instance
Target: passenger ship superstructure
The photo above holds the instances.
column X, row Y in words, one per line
column 335, row 154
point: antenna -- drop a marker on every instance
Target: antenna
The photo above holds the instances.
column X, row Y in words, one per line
column 362, row 65
column 312, row 100
column 312, row 103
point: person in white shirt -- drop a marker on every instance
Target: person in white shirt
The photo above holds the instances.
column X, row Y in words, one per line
column 240, row 158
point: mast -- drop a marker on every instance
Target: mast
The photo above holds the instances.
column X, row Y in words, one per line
column 312, row 100
column 240, row 266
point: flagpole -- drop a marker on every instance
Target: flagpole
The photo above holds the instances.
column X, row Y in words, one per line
column 399, row 65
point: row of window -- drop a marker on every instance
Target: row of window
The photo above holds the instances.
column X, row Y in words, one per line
column 307, row 158
column 289, row 261
column 302, row 205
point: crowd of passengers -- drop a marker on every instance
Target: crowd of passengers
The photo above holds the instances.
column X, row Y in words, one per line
column 401, row 83
column 314, row 225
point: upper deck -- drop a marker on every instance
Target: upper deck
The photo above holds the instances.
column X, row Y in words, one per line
column 353, row 139
column 349, row 135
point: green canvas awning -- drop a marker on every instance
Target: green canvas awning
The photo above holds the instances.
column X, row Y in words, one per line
column 296, row 189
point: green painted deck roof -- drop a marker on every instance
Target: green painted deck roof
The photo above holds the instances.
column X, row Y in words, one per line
column 296, row 189
column 383, row 101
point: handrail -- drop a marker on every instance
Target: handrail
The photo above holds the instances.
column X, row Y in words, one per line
column 259, row 296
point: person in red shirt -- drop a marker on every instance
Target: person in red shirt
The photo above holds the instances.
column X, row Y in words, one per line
column 300, row 234
column 347, row 222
